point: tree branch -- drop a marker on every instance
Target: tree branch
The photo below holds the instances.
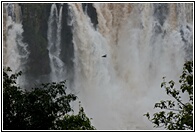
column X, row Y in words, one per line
column 172, row 109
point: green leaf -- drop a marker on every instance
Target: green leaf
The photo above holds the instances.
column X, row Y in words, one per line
column 182, row 117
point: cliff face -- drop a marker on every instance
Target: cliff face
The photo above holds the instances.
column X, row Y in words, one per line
column 34, row 21
column 33, row 18
column 67, row 49
column 35, row 24
column 35, row 34
column 91, row 12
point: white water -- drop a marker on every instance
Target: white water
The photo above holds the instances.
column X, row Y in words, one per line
column 15, row 50
column 54, row 40
column 116, row 91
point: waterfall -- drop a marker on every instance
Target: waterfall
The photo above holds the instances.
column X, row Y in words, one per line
column 15, row 53
column 59, row 31
column 143, row 43
column 54, row 41
column 70, row 16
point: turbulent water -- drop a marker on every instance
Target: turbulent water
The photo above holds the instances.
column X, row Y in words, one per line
column 15, row 53
column 143, row 43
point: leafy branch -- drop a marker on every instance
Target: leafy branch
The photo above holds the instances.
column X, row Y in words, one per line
column 177, row 115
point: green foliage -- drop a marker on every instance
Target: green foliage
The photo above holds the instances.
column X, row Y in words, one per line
column 43, row 108
column 177, row 114
column 76, row 122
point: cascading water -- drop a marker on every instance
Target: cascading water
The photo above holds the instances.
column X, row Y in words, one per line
column 143, row 43
column 14, row 50
column 54, row 40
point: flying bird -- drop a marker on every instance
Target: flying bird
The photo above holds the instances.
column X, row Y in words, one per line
column 104, row 55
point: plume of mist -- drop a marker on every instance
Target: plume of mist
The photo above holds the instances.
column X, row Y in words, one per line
column 141, row 48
